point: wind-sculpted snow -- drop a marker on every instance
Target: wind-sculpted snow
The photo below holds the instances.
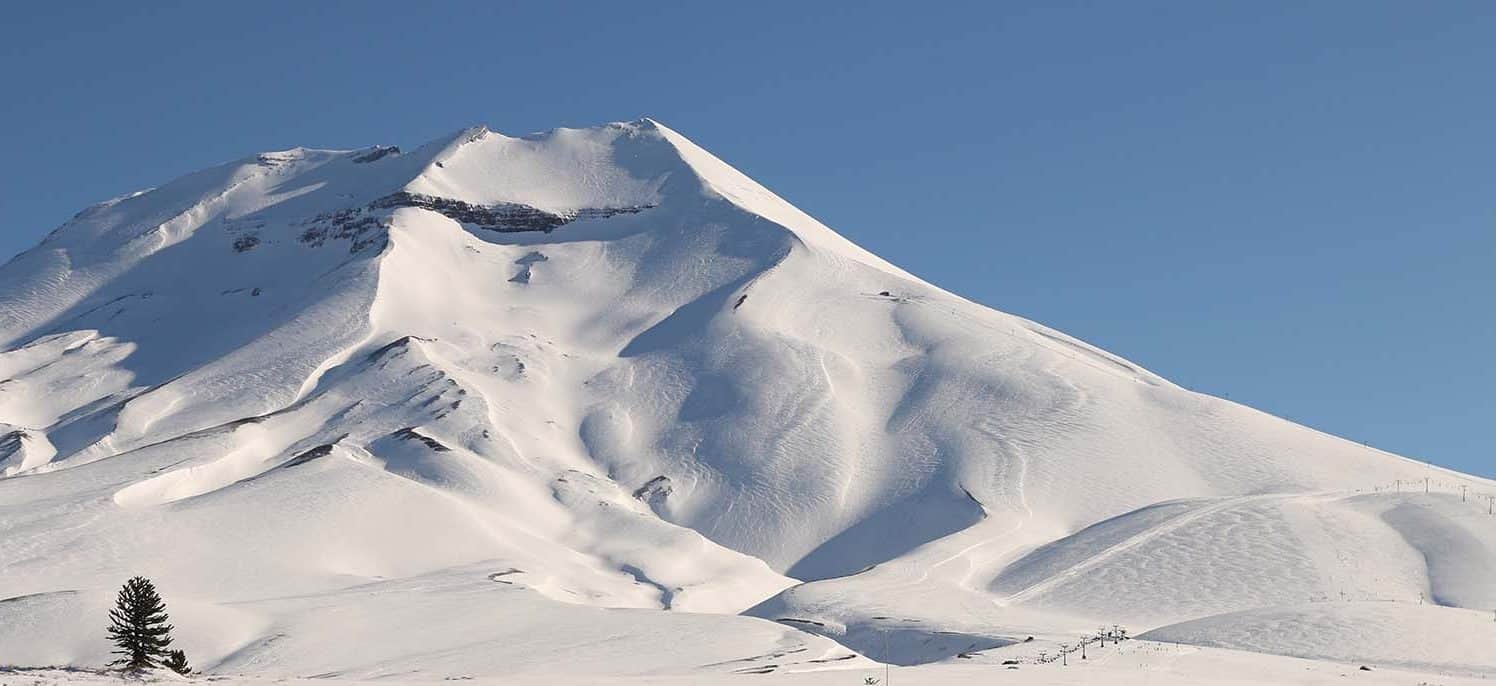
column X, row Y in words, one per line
column 492, row 386
column 1393, row 634
column 1458, row 547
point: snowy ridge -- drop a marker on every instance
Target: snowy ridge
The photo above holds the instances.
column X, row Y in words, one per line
column 601, row 384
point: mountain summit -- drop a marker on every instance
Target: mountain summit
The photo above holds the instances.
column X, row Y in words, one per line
column 500, row 388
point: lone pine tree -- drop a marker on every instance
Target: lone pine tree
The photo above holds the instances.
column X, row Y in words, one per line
column 138, row 626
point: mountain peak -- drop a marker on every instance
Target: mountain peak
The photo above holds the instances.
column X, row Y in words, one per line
column 601, row 368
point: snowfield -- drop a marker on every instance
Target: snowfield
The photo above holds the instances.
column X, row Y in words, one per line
column 592, row 404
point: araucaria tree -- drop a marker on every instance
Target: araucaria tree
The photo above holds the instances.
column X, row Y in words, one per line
column 138, row 626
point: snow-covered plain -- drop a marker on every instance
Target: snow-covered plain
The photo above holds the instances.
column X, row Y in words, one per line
column 591, row 403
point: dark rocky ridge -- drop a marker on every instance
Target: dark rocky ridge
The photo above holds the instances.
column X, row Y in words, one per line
column 410, row 434
column 504, row 217
column 363, row 228
column 376, row 154
column 350, row 224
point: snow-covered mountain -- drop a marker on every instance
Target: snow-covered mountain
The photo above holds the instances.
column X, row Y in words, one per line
column 525, row 394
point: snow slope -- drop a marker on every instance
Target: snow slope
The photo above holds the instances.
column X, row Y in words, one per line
column 1135, row 663
column 1419, row 637
column 526, row 393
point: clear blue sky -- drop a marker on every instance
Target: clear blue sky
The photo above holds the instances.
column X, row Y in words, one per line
column 1292, row 204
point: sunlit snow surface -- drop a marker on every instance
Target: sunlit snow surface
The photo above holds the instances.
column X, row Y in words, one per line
column 593, row 403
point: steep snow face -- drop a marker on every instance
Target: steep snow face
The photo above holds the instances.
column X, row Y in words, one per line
column 600, row 367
